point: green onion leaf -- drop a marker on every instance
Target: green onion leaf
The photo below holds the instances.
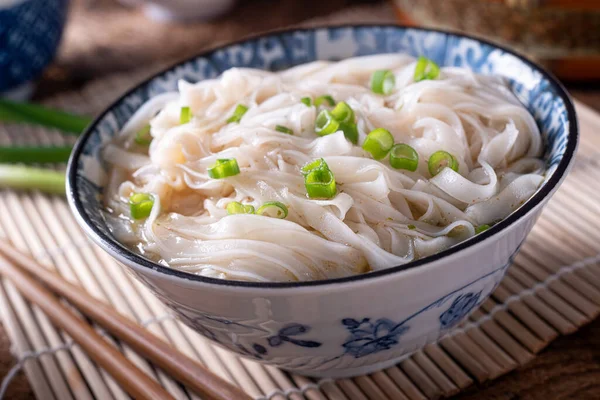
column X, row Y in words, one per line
column 143, row 136
column 140, row 205
column 426, row 69
column 320, row 184
column 403, row 156
column 223, row 168
column 35, row 154
column 440, row 160
column 307, row 101
column 324, row 99
column 411, row 227
column 284, row 129
column 343, row 113
column 383, row 82
column 314, row 165
column 273, row 209
column 350, row 131
column 481, row 228
column 238, row 113
column 379, row 142
column 325, row 124
column 185, row 115
column 235, row 207
column 20, row 177
column 38, row 115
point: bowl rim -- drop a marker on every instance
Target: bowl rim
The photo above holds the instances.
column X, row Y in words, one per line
column 111, row 245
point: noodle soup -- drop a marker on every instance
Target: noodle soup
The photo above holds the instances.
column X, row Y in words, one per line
column 324, row 170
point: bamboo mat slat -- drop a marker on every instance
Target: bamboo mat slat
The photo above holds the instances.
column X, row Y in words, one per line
column 552, row 289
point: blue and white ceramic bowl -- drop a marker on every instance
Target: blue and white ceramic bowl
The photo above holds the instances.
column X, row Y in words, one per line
column 30, row 31
column 349, row 326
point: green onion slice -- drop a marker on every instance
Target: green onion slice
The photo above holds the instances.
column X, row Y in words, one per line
column 235, row 207
column 403, row 156
column 273, row 209
column 325, row 99
column 426, row 69
column 343, row 113
column 481, row 228
column 307, row 101
column 140, row 205
column 440, row 160
column 379, row 142
column 383, row 82
column 325, row 124
column 314, row 165
column 143, row 136
column 185, row 115
column 411, row 227
column 350, row 131
column 284, row 129
column 238, row 113
column 223, row 168
column 320, row 184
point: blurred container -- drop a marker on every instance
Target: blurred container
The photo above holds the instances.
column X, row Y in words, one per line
column 182, row 10
column 30, row 31
column 564, row 35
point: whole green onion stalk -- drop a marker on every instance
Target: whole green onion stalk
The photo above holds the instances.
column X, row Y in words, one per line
column 23, row 177
column 39, row 115
column 34, row 154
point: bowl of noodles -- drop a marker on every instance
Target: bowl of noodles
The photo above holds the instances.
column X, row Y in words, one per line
column 326, row 200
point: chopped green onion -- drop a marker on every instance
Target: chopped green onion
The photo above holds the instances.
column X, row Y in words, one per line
column 140, row 205
column 34, row 114
column 143, row 136
column 379, row 142
column 426, row 69
column 20, row 177
column 320, row 184
column 325, row 124
column 411, row 227
column 35, row 154
column 481, row 228
column 325, row 98
column 185, row 115
column 314, row 165
column 235, row 207
column 383, row 82
column 273, row 209
column 239, row 112
column 307, row 101
column 350, row 131
column 343, row 113
column 440, row 160
column 403, row 156
column 223, row 168
column 284, row 129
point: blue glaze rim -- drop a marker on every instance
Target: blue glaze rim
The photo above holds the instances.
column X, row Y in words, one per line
column 111, row 244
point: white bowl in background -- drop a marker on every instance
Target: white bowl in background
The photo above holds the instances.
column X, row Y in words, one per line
column 182, row 10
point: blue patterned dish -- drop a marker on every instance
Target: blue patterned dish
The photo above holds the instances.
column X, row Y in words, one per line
column 354, row 325
column 30, row 31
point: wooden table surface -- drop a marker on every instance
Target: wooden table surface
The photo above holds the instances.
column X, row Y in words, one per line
column 103, row 38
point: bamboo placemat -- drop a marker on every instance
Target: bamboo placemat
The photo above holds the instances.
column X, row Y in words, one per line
column 552, row 289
